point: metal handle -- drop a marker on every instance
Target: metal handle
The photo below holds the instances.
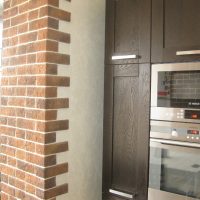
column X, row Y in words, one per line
column 124, row 57
column 122, row 194
column 172, row 142
column 184, row 53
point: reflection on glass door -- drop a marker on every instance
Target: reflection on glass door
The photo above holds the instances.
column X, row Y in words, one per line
column 175, row 170
column 179, row 89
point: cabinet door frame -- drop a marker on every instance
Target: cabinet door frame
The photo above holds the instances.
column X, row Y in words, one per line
column 159, row 53
column 143, row 75
column 144, row 25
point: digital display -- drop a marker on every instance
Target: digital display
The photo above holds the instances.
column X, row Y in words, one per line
column 193, row 132
column 192, row 114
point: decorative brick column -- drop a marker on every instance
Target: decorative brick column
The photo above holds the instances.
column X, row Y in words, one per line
column 34, row 89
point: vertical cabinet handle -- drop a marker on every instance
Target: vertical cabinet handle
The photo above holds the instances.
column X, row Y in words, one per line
column 184, row 53
column 124, row 57
column 122, row 194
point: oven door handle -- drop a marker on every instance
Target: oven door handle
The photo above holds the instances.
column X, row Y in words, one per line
column 175, row 143
column 190, row 52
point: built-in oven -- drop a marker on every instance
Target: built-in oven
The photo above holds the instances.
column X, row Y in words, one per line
column 174, row 166
column 175, row 92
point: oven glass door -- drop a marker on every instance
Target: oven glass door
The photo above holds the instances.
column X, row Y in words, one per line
column 175, row 169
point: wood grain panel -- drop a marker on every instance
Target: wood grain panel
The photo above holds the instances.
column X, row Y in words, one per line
column 175, row 27
column 107, row 131
column 126, row 70
column 125, row 133
column 126, row 130
column 126, row 26
column 143, row 132
column 128, row 30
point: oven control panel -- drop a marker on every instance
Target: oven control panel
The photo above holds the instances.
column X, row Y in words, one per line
column 193, row 134
column 175, row 131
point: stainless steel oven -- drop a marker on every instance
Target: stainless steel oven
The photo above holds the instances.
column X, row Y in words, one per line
column 174, row 172
column 175, row 92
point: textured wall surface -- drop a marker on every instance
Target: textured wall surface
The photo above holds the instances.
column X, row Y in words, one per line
column 86, row 99
column 35, row 90
column 33, row 120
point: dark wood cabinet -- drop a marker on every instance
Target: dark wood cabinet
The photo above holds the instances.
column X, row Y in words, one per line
column 126, row 130
column 128, row 30
column 156, row 31
column 175, row 30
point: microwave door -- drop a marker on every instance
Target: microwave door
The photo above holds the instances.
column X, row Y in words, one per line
column 174, row 171
column 175, row 85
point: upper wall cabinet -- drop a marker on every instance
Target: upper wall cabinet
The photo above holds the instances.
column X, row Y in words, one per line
column 175, row 30
column 128, row 31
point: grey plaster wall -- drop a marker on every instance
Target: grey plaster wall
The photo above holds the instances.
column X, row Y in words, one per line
column 86, row 99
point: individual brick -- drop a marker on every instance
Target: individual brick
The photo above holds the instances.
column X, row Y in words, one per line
column 52, row 148
column 13, row 11
column 52, row 57
column 7, row 189
column 33, row 14
column 19, row 194
column 59, row 190
column 41, row 160
column 17, row 2
column 54, row 35
column 8, row 151
column 20, row 134
column 6, row 23
column 52, row 103
column 4, row 178
column 55, row 12
column 19, row 19
column 27, row 167
column 40, row 137
column 35, row 4
column 23, row 7
column 28, row 37
column 7, row 170
column 23, row 28
column 50, row 126
column 42, row 91
column 11, row 161
column 41, row 114
column 52, row 171
column 53, row 81
column 42, row 23
column 20, row 154
column 25, row 124
column 30, row 189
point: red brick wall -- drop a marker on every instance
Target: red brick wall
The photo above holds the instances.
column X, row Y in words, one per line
column 32, row 107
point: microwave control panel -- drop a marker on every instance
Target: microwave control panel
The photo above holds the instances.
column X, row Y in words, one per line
column 192, row 114
column 188, row 114
column 175, row 114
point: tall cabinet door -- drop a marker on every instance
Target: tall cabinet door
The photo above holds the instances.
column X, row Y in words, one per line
column 126, row 131
column 175, row 30
column 128, row 31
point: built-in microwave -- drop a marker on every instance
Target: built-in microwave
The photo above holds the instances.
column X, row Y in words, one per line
column 175, row 92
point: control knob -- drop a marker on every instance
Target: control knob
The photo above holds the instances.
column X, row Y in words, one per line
column 174, row 133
